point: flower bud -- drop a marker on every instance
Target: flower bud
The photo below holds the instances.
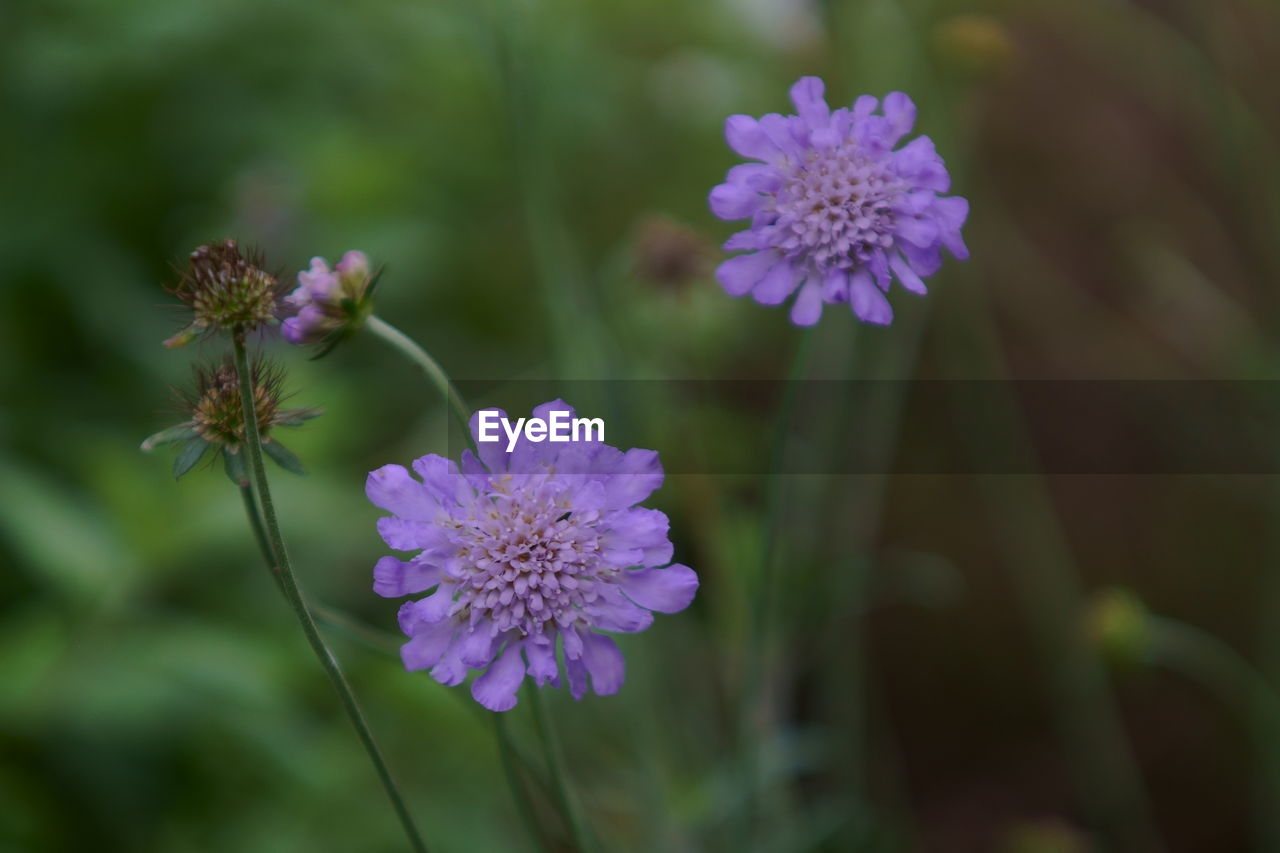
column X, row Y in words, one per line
column 331, row 304
column 1119, row 628
column 979, row 44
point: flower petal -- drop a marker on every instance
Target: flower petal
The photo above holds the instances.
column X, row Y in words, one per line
column 426, row 647
column 411, row 535
column 668, row 590
column 778, row 283
column 907, row 275
column 577, row 672
column 746, row 137
column 806, row 94
column 491, row 452
column 738, row 275
column 604, row 661
column 901, row 113
column 917, row 231
column 477, row 646
column 496, row 689
column 952, row 212
column 442, row 479
column 807, row 308
column 637, row 537
column 393, row 489
column 748, row 239
column 868, row 302
column 393, row 578
column 541, row 655
column 919, row 162
column 835, row 286
column 632, row 476
column 612, row 611
column 734, row 201
column 450, row 670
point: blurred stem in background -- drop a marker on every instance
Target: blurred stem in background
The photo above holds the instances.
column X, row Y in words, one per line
column 564, row 798
column 578, row 346
column 1202, row 657
column 859, row 500
column 1266, row 732
column 1040, row 567
column 755, row 713
column 284, row 571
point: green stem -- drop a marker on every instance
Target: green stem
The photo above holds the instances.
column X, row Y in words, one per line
column 559, row 781
column 753, row 709
column 388, row 644
column 1202, row 657
column 435, row 373
column 524, row 807
column 253, row 443
column 260, row 532
column 458, row 407
column 366, row 636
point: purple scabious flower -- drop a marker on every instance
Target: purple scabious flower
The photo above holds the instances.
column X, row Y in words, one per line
column 329, row 302
column 526, row 554
column 835, row 210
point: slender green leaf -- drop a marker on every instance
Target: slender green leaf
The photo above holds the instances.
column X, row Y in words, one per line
column 284, row 457
column 234, row 465
column 192, row 452
column 181, row 432
column 297, row 417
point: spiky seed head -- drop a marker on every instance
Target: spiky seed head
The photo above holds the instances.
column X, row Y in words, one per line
column 227, row 291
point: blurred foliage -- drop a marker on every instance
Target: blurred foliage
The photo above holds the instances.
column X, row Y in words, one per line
column 533, row 175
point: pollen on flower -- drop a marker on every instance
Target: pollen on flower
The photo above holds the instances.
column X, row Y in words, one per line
column 526, row 560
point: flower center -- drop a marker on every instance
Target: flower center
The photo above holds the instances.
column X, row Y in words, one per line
column 526, row 560
column 836, row 207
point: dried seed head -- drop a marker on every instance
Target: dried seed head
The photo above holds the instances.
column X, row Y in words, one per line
column 217, row 410
column 671, row 255
column 226, row 291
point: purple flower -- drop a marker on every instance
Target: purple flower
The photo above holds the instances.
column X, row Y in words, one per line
column 835, row 211
column 525, row 553
column 329, row 301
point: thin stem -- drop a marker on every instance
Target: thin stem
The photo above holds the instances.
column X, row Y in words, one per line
column 260, row 532
column 253, row 443
column 507, row 753
column 435, row 373
column 369, row 637
column 752, row 708
column 507, row 750
column 1045, row 578
column 1202, row 657
column 559, row 781
column 1205, row 658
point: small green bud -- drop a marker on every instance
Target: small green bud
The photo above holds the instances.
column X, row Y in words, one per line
column 1045, row 836
column 978, row 44
column 1118, row 626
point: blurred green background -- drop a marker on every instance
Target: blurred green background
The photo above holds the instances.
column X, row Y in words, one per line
column 533, row 175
